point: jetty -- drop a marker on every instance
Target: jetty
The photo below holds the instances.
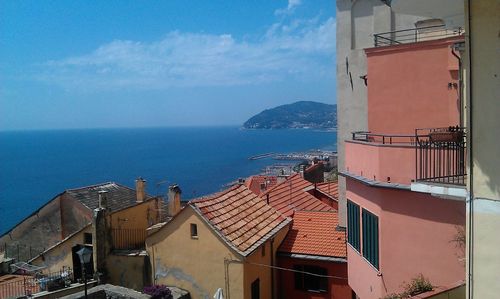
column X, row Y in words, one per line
column 261, row 156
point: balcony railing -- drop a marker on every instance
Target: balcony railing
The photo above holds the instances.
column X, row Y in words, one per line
column 414, row 35
column 23, row 286
column 128, row 239
column 440, row 155
column 383, row 138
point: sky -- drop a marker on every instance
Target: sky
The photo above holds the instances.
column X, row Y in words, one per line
column 112, row 64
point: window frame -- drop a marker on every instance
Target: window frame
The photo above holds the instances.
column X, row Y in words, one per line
column 194, row 230
column 371, row 238
column 353, row 225
column 309, row 283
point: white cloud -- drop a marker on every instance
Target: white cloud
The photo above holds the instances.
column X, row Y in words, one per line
column 292, row 4
column 297, row 49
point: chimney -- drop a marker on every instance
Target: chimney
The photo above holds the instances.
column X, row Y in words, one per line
column 174, row 200
column 140, row 189
column 103, row 199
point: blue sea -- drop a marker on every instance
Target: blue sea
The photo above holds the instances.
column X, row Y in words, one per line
column 35, row 166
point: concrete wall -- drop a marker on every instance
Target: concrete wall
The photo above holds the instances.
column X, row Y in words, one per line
column 337, row 287
column 356, row 23
column 418, row 233
column 59, row 256
column 40, row 231
column 409, row 87
column 194, row 264
column 483, row 74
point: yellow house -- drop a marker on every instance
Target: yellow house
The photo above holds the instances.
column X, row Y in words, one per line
column 226, row 241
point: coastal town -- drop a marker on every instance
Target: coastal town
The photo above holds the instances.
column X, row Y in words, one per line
column 407, row 207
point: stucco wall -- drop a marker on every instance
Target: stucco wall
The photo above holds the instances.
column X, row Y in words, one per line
column 337, row 287
column 253, row 271
column 127, row 271
column 74, row 215
column 140, row 216
column 60, row 255
column 40, row 230
column 483, row 74
column 356, row 23
column 418, row 233
column 196, row 265
column 409, row 87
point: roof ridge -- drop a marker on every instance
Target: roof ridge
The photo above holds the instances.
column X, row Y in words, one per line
column 95, row 185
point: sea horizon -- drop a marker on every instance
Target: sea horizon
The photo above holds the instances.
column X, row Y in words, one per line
column 39, row 164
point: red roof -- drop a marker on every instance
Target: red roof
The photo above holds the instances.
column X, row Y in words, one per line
column 256, row 182
column 240, row 217
column 329, row 188
column 314, row 233
column 291, row 195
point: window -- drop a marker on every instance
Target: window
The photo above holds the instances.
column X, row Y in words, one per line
column 307, row 282
column 353, row 225
column 194, row 231
column 370, row 237
column 87, row 238
column 256, row 289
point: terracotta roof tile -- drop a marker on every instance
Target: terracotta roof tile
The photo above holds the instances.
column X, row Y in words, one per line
column 291, row 195
column 260, row 183
column 314, row 233
column 242, row 218
column 329, row 188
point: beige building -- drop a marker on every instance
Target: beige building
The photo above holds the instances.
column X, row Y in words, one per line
column 480, row 81
column 226, row 241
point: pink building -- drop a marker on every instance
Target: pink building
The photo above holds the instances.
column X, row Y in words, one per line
column 405, row 210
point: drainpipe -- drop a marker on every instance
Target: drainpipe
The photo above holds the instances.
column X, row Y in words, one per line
column 460, row 94
column 272, row 268
column 470, row 278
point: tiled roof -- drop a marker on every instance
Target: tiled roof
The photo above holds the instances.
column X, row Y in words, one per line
column 315, row 233
column 329, row 188
column 118, row 196
column 240, row 217
column 255, row 182
column 291, row 195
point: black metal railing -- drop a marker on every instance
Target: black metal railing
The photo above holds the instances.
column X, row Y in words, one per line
column 414, row 35
column 440, row 155
column 384, row 138
column 128, row 239
column 14, row 286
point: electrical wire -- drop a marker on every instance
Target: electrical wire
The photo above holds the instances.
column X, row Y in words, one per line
column 296, row 271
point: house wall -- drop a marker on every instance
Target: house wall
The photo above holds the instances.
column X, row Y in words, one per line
column 337, row 287
column 379, row 162
column 408, row 87
column 74, row 215
column 483, row 99
column 263, row 273
column 59, row 256
column 40, row 231
column 418, row 233
column 127, row 270
column 356, row 23
column 196, row 265
column 140, row 216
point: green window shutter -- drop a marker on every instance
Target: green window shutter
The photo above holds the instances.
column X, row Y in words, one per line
column 353, row 225
column 370, row 238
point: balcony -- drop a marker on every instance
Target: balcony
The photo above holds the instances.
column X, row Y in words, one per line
column 414, row 35
column 440, row 156
column 381, row 158
column 431, row 160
